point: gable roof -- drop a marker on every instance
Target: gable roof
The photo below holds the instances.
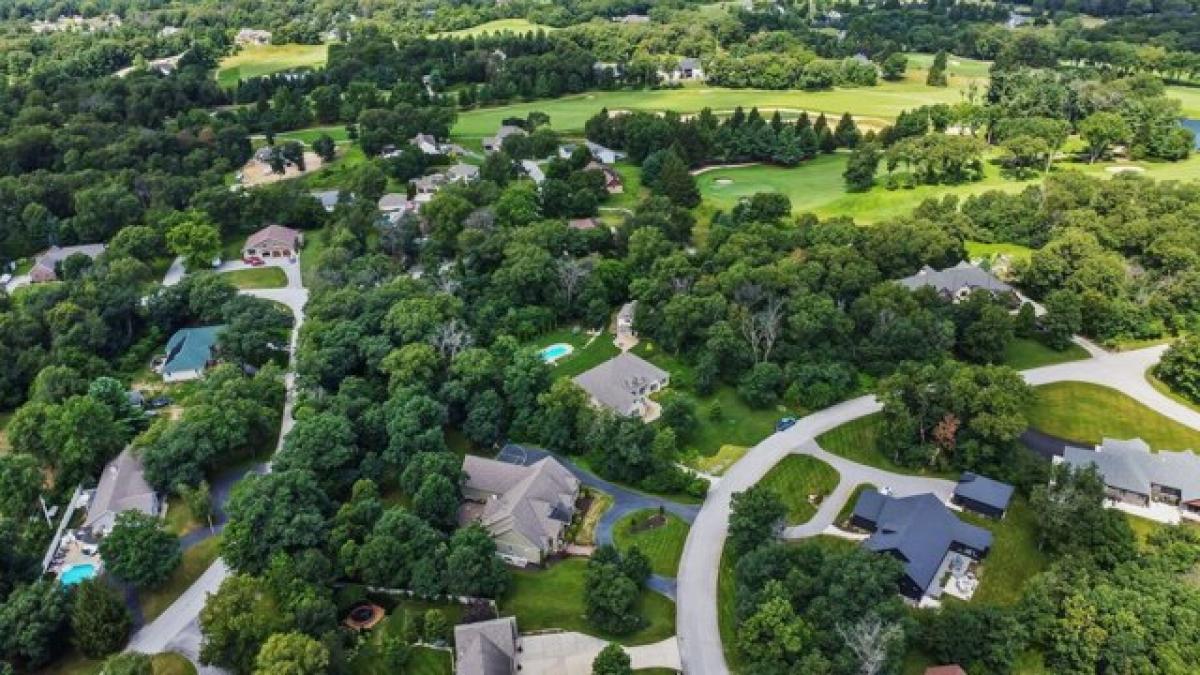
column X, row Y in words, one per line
column 486, row 647
column 532, row 170
column 122, row 487
column 613, row 382
column 534, row 501
column 596, row 149
column 393, row 201
column 273, row 234
column 1129, row 465
column 463, row 172
column 984, row 490
column 953, row 279
column 689, row 63
column 328, row 198
column 920, row 529
column 191, row 348
column 48, row 260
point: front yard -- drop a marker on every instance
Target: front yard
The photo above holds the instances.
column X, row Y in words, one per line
column 858, row 441
column 257, row 277
column 195, row 560
column 660, row 536
column 799, row 480
column 1026, row 353
column 1087, row 413
column 553, row 598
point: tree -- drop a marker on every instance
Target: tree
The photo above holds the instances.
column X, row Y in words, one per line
column 436, row 627
column 980, row 637
column 676, row 183
column 894, row 66
column 323, row 445
column 292, row 654
column 256, row 331
column 99, row 620
column 195, row 238
column 31, row 622
column 774, row 637
column 236, row 621
column 437, row 502
column 861, row 167
column 612, row 660
column 139, row 551
column 1102, row 130
column 871, row 640
column 20, row 484
column 283, row 511
column 1179, row 368
column 325, row 148
column 55, row 384
column 1072, row 519
column 610, row 599
column 1063, row 319
column 198, row 500
column 937, row 71
column 129, row 663
column 473, row 567
column 755, row 518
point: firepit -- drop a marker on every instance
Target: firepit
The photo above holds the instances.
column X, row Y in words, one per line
column 364, row 617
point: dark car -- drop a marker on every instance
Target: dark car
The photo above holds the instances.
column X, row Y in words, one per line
column 158, row 402
column 785, row 424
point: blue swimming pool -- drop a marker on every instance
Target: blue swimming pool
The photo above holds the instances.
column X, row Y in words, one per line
column 555, row 352
column 77, row 574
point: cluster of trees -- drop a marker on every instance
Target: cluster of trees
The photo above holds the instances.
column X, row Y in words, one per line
column 613, row 582
column 774, row 70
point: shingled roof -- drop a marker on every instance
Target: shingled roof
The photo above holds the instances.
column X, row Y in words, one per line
column 1129, row 465
column 535, row 501
column 122, row 487
column 954, row 279
column 614, row 382
column 486, row 647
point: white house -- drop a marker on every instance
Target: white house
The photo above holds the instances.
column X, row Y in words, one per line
column 602, row 154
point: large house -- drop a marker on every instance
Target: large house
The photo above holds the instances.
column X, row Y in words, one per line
column 956, row 283
column 604, row 154
column 45, row 265
column 486, row 647
column 189, row 352
column 922, row 533
column 1134, row 475
column 396, row 202
column 534, row 171
column 122, row 487
column 624, row 384
column 273, row 241
column 495, row 143
column 427, row 144
column 462, row 173
column 525, row 508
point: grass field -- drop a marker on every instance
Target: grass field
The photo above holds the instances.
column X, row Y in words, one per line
column 1014, row 557
column 858, row 441
column 256, row 60
column 497, row 26
column 718, row 464
column 977, row 250
column 1087, row 413
column 423, row 660
column 1025, row 353
column 662, row 544
column 553, row 598
column 337, row 132
column 1189, row 97
column 310, row 255
column 588, row 353
column 727, row 606
column 179, row 520
column 795, row 479
column 195, row 561
column 258, row 277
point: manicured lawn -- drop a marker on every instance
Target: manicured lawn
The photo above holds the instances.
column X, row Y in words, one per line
column 1087, row 413
column 718, row 464
column 662, row 544
column 1189, row 97
column 1025, row 353
column 795, row 479
column 553, row 598
column 979, row 249
column 338, row 172
column 257, row 277
column 1160, row 386
column 423, row 661
column 727, row 606
column 1014, row 558
column 631, row 181
column 335, row 131
column 857, row 441
column 172, row 664
column 255, row 60
column 589, row 352
column 848, row 508
column 497, row 26
column 956, row 66
column 195, row 561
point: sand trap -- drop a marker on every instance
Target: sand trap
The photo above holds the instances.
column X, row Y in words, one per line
column 259, row 173
column 1125, row 169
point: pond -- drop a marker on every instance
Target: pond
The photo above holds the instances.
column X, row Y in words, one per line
column 1194, row 126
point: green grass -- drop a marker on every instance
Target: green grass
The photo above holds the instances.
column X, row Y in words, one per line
column 195, row 561
column 1014, row 558
column 74, row 663
column 631, row 182
column 718, row 464
column 172, row 664
column 978, row 249
column 585, row 357
column 1160, row 386
column 310, row 255
column 255, row 60
column 858, row 441
column 423, row 661
column 1086, row 413
column 497, row 26
column 956, row 66
column 335, row 131
column 848, row 508
column 336, row 174
column 179, row 520
column 797, row 477
column 553, row 598
column 4, row 418
column 1025, row 353
column 1189, row 97
column 257, row 277
column 663, row 544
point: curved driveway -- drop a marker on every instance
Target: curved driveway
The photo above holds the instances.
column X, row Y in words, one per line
column 696, row 618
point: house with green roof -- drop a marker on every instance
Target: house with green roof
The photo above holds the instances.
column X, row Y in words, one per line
column 189, row 352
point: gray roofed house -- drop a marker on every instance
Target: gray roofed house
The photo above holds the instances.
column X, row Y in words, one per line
column 122, row 487
column 486, row 647
column 189, row 352
column 395, row 201
column 45, row 266
column 982, row 494
column 956, row 283
column 566, row 150
column 1134, row 475
column 632, row 18
column 494, row 143
column 532, row 170
column 328, row 198
column 624, row 383
column 427, row 185
column 427, row 144
column 920, row 531
column 525, row 508
column 462, row 173
column 604, row 154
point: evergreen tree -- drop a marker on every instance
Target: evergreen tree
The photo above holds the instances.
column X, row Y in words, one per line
column 937, row 71
column 847, row 133
column 676, row 183
column 99, row 620
column 808, row 141
column 826, row 141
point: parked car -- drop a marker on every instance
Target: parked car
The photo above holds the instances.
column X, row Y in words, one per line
column 785, row 423
column 158, row 402
column 254, row 261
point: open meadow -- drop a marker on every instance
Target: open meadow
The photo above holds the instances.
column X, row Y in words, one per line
column 255, row 60
column 497, row 26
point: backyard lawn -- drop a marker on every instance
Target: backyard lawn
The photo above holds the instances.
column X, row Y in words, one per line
column 423, row 660
column 195, row 561
column 497, row 26
column 978, row 249
column 1014, row 558
column 178, row 520
column 661, row 538
column 553, row 598
column 857, row 441
column 254, row 60
column 257, row 277
column 588, row 352
column 1025, row 353
column 795, row 479
column 1087, row 413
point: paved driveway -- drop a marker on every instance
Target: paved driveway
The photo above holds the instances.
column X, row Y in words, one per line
column 570, row 653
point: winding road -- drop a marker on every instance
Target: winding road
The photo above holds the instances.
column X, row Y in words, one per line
column 696, row 618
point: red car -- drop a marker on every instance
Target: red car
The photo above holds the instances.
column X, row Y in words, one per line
column 253, row 261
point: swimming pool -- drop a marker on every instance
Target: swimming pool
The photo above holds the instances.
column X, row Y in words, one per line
column 555, row 352
column 77, row 573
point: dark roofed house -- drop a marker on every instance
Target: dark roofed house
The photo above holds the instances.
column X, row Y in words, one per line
column 45, row 266
column 920, row 532
column 495, row 143
column 189, row 352
column 982, row 495
column 624, row 384
column 122, row 487
column 956, row 283
column 486, row 647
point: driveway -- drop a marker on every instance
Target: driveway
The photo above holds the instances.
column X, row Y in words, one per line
column 570, row 653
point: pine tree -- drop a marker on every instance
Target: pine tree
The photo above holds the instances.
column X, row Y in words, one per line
column 826, row 141
column 676, row 183
column 937, row 71
column 821, row 124
column 802, row 122
column 99, row 620
column 808, row 141
column 787, row 151
column 847, row 134
column 777, row 122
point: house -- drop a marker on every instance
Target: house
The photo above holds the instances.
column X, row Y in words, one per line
column 328, row 199
column 982, row 495
column 428, row 186
column 612, row 179
column 45, row 265
column 273, row 241
column 486, row 647
column 632, row 19
column 583, row 224
column 394, row 202
column 688, row 69
column 1133, row 475
column 532, row 170
column 525, row 508
column 462, row 173
column 189, row 352
column 604, row 155
column 252, row 36
column 611, row 68
column 624, row 384
column 427, row 144
column 953, row 669
column 922, row 533
column 494, row 143
column 122, row 487
column 566, row 150
column 1016, row 20
column 956, row 283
